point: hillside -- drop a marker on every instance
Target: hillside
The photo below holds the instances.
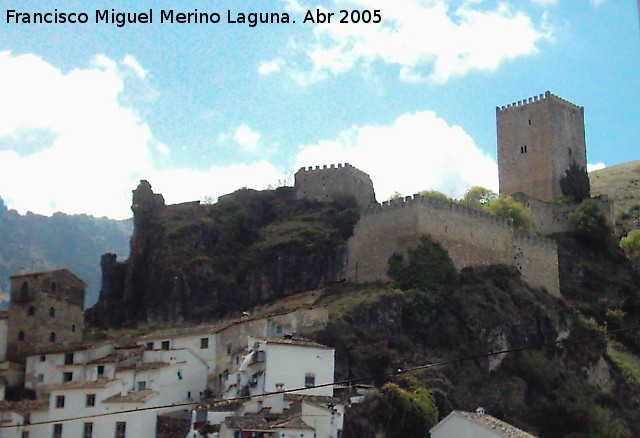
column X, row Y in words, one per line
column 75, row 242
column 621, row 183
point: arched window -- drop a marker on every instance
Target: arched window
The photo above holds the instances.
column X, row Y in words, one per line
column 31, row 311
column 52, row 312
column 52, row 337
column 21, row 336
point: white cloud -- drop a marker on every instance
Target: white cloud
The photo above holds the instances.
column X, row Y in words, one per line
column 269, row 67
column 77, row 148
column 416, row 152
column 427, row 40
column 133, row 64
column 246, row 137
column 163, row 149
column 545, row 3
column 596, row 166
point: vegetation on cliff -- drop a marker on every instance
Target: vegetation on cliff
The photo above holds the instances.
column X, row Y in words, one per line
column 622, row 184
column 195, row 262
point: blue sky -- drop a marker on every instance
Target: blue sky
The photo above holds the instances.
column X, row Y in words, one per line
column 199, row 110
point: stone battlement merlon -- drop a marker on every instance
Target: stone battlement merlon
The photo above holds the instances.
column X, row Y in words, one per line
column 439, row 204
column 536, row 99
column 324, row 167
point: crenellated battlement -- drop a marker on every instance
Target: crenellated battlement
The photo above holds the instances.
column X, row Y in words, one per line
column 334, row 183
column 534, row 100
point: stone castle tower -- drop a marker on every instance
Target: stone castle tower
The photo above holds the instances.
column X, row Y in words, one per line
column 538, row 139
column 46, row 311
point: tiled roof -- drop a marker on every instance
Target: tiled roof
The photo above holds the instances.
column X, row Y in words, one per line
column 225, row 406
column 300, row 342
column 290, row 423
column 82, row 384
column 251, row 423
column 317, row 399
column 72, row 347
column 207, row 329
column 143, row 366
column 50, row 271
column 132, row 397
column 24, row 406
column 500, row 427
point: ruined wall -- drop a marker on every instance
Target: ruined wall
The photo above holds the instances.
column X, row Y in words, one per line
column 335, row 183
column 471, row 238
column 550, row 217
column 538, row 139
column 42, row 304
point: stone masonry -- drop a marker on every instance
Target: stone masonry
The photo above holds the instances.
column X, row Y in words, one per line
column 344, row 184
column 46, row 310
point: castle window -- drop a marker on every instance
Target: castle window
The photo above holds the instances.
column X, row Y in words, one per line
column 40, row 378
column 529, row 122
column 24, row 291
column 52, row 312
column 73, row 328
column 569, row 151
column 54, row 286
column 31, row 311
column 21, row 336
column 52, row 337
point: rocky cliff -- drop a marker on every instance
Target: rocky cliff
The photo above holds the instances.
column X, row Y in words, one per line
column 195, row 262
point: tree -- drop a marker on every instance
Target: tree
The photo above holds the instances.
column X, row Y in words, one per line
column 575, row 183
column 429, row 267
column 631, row 245
column 407, row 412
column 507, row 207
column 478, row 196
column 434, row 194
column 590, row 224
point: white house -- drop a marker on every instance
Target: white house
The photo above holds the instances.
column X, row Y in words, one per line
column 282, row 364
column 461, row 424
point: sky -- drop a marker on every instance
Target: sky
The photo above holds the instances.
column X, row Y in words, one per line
column 199, row 110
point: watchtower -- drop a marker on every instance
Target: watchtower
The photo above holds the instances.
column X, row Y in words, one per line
column 341, row 183
column 539, row 138
column 46, row 310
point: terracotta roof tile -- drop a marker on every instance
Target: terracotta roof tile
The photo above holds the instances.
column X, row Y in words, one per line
column 503, row 428
column 132, row 397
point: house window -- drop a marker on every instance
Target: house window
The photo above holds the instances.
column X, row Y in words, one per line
column 20, row 335
column 54, row 286
column 68, row 359
column 88, row 430
column 52, row 312
column 309, row 380
column 91, row 400
column 24, row 291
column 40, row 378
column 523, row 149
column 73, row 328
column 165, row 345
column 25, row 434
column 67, row 377
column 52, row 337
column 204, row 343
column 27, row 418
column 278, row 330
column 179, row 375
column 529, row 122
column 57, row 430
column 142, row 385
column 228, row 349
column 100, row 370
column 60, row 401
column 43, row 358
column 569, row 151
column 149, row 345
column 31, row 311
column 188, row 394
column 121, row 429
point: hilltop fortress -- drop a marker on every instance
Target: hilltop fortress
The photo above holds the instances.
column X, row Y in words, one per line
column 193, row 262
column 539, row 139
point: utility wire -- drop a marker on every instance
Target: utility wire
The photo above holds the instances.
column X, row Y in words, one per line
column 348, row 382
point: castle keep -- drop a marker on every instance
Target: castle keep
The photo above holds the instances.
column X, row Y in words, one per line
column 538, row 139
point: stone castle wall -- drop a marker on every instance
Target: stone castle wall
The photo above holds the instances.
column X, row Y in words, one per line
column 552, row 217
column 341, row 183
column 471, row 237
